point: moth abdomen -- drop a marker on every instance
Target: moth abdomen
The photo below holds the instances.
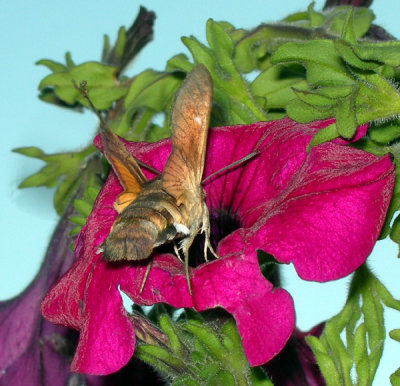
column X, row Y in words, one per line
column 136, row 232
column 130, row 241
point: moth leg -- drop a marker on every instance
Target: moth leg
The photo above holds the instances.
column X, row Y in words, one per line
column 146, row 274
column 184, row 246
column 176, row 250
column 205, row 228
column 186, row 254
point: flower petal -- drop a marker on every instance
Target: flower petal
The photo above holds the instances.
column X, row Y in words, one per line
column 33, row 350
column 264, row 316
column 107, row 340
column 328, row 219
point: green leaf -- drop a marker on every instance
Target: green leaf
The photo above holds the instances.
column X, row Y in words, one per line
column 377, row 99
column 160, row 358
column 223, row 377
column 92, row 193
column 73, row 232
column 395, row 378
column 346, row 52
column 365, row 329
column 119, row 46
column 304, row 113
column 179, row 62
column 260, row 42
column 83, row 207
column 385, row 132
column 207, row 337
column 102, row 85
column 361, row 355
column 348, row 33
column 346, row 123
column 184, row 380
column 30, row 151
column 66, row 188
column 395, row 334
column 63, row 169
column 77, row 220
column 315, row 99
column 176, row 340
column 200, row 351
column 230, row 88
column 315, row 18
column 276, row 83
column 395, row 232
column 324, row 361
column 221, row 44
column 152, row 89
column 324, row 66
column 106, row 47
column 200, row 53
column 68, row 60
column 49, row 96
column 395, row 201
column 209, row 371
column 258, row 377
column 382, row 52
column 387, row 299
column 336, row 19
column 51, row 65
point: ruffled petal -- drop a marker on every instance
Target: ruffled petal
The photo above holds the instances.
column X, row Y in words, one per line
column 107, row 339
column 328, row 219
column 264, row 317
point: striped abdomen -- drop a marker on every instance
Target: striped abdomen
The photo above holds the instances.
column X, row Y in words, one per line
column 149, row 221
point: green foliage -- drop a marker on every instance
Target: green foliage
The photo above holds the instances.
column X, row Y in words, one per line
column 77, row 171
column 231, row 93
column 101, row 80
column 83, row 208
column 62, row 170
column 199, row 353
column 353, row 339
column 150, row 93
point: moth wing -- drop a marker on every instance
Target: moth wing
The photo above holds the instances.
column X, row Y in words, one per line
column 125, row 167
column 190, row 119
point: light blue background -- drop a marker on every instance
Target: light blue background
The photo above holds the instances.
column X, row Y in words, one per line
column 32, row 30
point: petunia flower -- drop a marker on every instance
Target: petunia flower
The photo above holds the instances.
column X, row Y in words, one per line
column 35, row 351
column 296, row 364
column 321, row 210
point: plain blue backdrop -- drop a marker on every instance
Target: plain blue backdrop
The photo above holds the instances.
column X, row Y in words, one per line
column 32, row 30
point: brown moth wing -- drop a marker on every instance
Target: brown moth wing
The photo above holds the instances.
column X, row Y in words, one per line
column 189, row 121
column 125, row 167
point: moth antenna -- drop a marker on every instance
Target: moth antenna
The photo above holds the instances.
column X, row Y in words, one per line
column 233, row 164
column 83, row 89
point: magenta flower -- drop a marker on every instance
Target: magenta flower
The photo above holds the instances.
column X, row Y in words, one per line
column 321, row 211
column 296, row 364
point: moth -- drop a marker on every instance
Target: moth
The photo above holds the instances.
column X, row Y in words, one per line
column 171, row 206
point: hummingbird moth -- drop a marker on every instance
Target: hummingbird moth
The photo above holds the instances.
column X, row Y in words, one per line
column 170, row 206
